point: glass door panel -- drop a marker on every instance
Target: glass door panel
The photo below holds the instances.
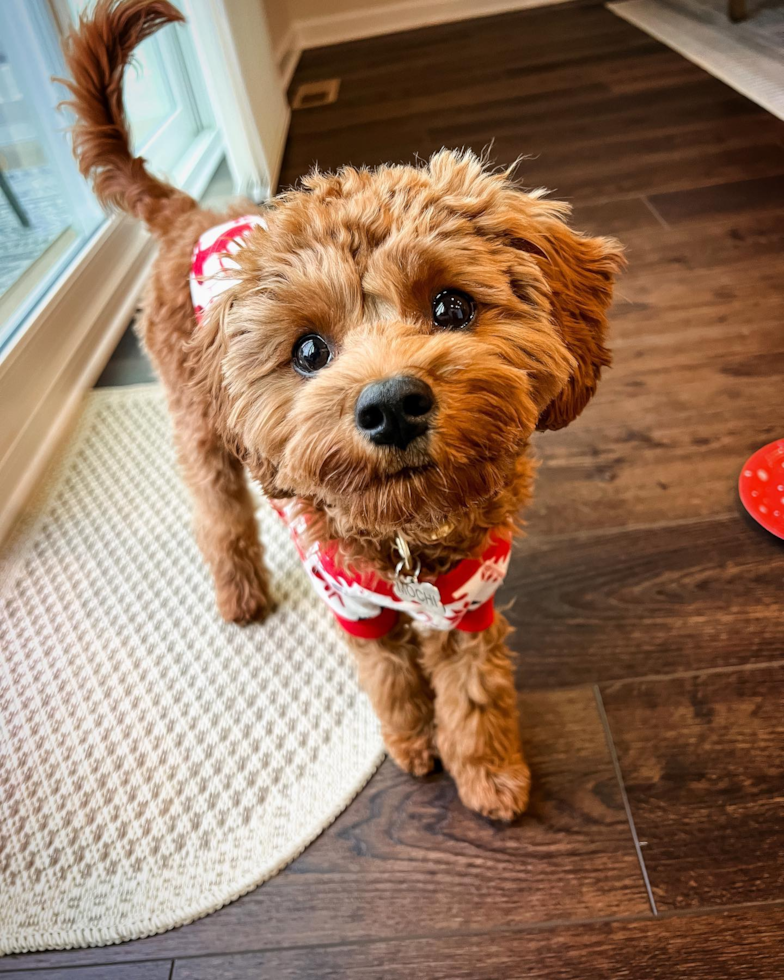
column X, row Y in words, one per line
column 47, row 211
column 33, row 210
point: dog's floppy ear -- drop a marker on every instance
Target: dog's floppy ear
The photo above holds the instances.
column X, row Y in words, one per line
column 577, row 272
column 580, row 272
column 573, row 276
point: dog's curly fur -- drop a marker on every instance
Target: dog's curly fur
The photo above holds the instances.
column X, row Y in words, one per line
column 357, row 256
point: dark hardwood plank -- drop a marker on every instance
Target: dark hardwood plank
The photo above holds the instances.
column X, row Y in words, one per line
column 649, row 471
column 621, row 218
column 645, row 468
column 408, row 859
column 645, row 601
column 764, row 194
column 160, row 970
column 701, row 761
column 738, row 946
column 513, row 36
column 535, row 91
column 692, row 165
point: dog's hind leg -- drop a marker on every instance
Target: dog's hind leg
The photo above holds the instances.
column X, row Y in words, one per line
column 390, row 673
column 477, row 731
column 223, row 513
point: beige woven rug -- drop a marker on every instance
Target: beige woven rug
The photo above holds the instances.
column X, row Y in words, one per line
column 155, row 762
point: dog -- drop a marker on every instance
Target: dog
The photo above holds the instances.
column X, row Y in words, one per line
column 375, row 348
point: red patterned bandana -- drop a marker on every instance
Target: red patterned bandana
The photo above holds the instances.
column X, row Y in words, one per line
column 212, row 265
column 367, row 605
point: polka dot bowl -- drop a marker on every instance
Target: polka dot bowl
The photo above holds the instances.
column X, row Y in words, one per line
column 761, row 487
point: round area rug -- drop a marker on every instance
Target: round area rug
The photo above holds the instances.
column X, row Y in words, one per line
column 155, row 762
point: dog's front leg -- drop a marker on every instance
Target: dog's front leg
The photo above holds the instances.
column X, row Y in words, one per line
column 478, row 737
column 223, row 513
column 391, row 675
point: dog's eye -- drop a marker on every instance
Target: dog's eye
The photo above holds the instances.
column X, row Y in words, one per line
column 453, row 309
column 311, row 353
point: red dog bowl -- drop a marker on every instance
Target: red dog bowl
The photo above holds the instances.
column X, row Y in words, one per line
column 761, row 487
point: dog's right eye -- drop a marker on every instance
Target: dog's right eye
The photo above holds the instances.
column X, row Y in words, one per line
column 311, row 353
column 453, row 309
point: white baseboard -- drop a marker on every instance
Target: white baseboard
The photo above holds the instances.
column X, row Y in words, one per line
column 316, row 32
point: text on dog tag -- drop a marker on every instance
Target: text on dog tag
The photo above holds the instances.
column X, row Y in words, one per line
column 426, row 594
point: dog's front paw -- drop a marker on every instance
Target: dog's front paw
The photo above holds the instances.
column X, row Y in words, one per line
column 498, row 792
column 245, row 599
column 413, row 753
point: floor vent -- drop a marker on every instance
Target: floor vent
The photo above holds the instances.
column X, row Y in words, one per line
column 313, row 94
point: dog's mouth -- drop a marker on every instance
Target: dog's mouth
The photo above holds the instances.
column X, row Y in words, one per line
column 399, row 479
column 393, row 466
column 406, row 472
column 411, row 496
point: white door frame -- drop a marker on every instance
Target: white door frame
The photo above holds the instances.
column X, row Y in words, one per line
column 232, row 38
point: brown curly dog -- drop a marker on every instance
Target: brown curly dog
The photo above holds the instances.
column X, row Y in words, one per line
column 384, row 346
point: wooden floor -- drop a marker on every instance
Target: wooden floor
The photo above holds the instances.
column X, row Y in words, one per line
column 650, row 628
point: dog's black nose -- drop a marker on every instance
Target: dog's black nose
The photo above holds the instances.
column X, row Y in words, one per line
column 395, row 411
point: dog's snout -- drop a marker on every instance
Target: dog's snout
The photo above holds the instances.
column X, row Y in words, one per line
column 395, row 411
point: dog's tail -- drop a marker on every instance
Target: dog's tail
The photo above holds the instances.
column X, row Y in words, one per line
column 96, row 54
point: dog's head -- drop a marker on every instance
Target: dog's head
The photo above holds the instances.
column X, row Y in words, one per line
column 399, row 334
